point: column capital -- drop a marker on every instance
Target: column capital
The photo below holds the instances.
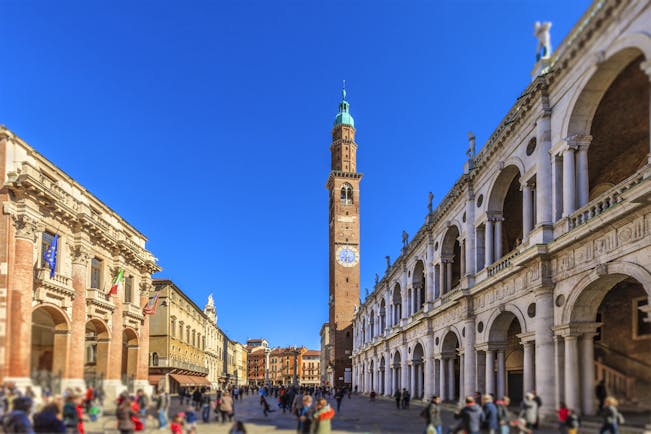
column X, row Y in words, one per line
column 527, row 338
column 27, row 227
column 80, row 254
column 572, row 331
column 579, row 142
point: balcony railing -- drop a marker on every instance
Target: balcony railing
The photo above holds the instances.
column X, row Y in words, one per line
column 503, row 263
column 603, row 202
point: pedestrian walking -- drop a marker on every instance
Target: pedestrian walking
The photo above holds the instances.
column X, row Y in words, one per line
column 48, row 420
column 17, row 420
column 162, row 407
column 504, row 415
column 563, row 413
column 176, row 427
column 398, row 397
column 573, row 422
column 190, row 420
column 539, row 404
column 471, row 417
column 601, row 393
column 322, row 418
column 405, row 397
column 339, row 396
column 529, row 410
column 491, row 417
column 305, row 416
column 432, row 416
column 70, row 413
column 226, row 407
column 265, row 405
column 612, row 417
column 125, row 415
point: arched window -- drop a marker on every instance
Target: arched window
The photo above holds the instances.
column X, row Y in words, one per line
column 347, row 194
column 154, row 359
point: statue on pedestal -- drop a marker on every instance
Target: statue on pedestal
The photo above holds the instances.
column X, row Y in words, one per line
column 405, row 239
column 388, row 261
column 541, row 31
column 471, row 146
column 430, row 198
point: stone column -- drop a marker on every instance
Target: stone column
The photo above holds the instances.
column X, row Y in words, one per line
column 429, row 273
column 587, row 374
column 404, row 375
column 544, row 354
column 468, row 361
column 490, row 372
column 462, row 258
column 387, row 381
column 412, row 379
column 571, row 372
column 583, row 187
column 557, row 188
column 75, row 374
column 442, row 383
column 404, row 292
column 20, row 301
column 428, row 374
column 442, row 276
column 462, row 379
column 526, row 212
column 488, row 245
column 448, row 272
column 498, row 238
column 470, row 232
column 569, row 179
column 528, row 367
column 451, row 383
column 501, row 373
column 480, row 372
column 543, row 168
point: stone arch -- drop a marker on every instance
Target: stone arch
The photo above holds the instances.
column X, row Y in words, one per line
column 629, row 44
column 418, row 370
column 50, row 342
column 96, row 351
column 383, row 315
column 130, row 350
column 588, row 293
column 507, row 308
column 418, row 285
column 382, row 373
column 451, row 258
column 504, row 212
column 396, row 298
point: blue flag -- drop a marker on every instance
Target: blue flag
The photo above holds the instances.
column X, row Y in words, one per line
column 51, row 255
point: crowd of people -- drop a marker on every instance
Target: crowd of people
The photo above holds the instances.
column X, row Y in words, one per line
column 67, row 413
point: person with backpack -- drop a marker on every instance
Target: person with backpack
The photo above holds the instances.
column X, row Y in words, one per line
column 612, row 417
column 491, row 419
column 17, row 420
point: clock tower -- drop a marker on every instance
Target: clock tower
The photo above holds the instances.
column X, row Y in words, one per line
column 343, row 189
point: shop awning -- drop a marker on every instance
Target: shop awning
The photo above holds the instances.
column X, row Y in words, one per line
column 190, row 380
column 154, row 379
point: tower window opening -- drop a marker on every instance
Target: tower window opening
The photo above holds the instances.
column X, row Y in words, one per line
column 347, row 194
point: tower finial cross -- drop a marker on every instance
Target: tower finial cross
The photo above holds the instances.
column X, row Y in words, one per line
column 343, row 89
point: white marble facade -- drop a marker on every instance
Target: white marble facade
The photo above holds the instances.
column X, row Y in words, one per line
column 505, row 286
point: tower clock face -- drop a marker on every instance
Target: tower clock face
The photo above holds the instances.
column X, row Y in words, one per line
column 347, row 256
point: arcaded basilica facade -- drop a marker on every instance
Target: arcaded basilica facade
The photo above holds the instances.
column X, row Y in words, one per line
column 534, row 271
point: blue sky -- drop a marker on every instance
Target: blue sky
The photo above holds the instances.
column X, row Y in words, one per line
column 206, row 125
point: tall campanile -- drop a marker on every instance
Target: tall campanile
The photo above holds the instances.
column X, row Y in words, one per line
column 343, row 186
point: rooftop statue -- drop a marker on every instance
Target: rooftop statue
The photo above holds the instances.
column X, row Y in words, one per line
column 430, row 198
column 471, row 145
column 405, row 239
column 541, row 31
column 388, row 261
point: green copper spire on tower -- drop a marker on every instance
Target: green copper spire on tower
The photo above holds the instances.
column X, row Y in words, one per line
column 344, row 117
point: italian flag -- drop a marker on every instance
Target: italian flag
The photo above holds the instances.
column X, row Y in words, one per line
column 117, row 283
